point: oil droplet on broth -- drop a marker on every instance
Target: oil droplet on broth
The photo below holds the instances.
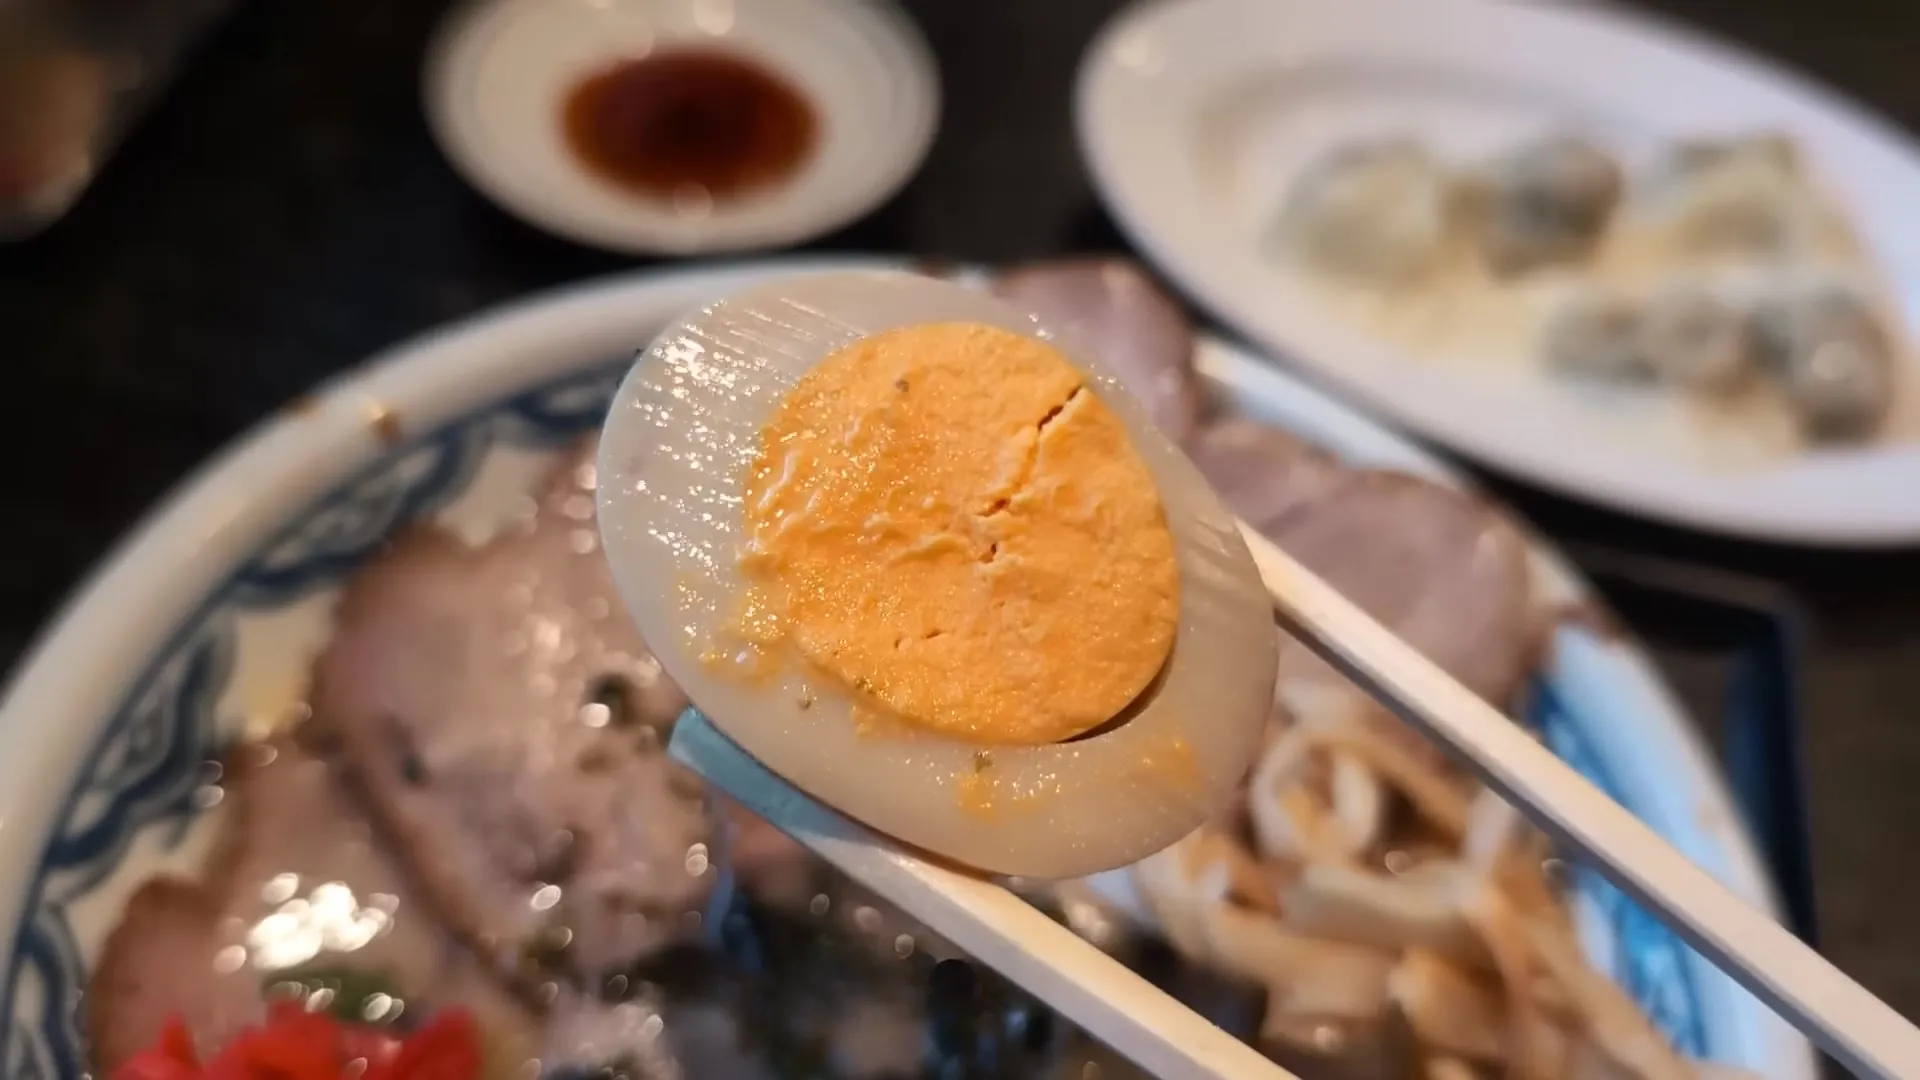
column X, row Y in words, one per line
column 381, row 1008
column 329, row 919
column 280, row 888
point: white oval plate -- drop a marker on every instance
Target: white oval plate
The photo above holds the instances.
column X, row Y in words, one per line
column 499, row 72
column 203, row 624
column 1194, row 114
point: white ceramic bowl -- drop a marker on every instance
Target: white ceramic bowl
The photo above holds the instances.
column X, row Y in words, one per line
column 203, row 624
column 499, row 71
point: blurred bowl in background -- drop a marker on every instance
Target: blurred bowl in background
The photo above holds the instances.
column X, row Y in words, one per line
column 683, row 126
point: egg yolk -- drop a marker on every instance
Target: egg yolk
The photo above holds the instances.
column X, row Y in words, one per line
column 948, row 520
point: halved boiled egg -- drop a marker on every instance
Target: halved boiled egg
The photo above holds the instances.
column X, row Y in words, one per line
column 936, row 568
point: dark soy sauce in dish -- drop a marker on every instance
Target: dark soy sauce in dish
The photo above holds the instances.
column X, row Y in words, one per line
column 689, row 122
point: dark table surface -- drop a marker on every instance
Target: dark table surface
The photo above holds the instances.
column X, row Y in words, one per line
column 283, row 213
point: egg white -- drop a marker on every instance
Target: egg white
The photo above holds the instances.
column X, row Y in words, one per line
column 676, row 451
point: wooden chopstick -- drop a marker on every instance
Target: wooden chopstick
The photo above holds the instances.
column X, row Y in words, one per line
column 1104, row 997
column 1859, row 1030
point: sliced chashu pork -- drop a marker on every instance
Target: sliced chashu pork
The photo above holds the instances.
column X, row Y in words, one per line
column 1437, row 567
column 1117, row 311
column 1263, row 474
column 509, row 725
column 297, row 881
